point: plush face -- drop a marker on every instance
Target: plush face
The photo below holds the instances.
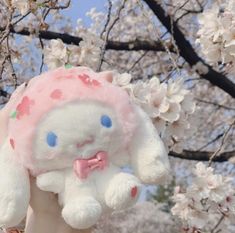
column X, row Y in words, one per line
column 76, row 131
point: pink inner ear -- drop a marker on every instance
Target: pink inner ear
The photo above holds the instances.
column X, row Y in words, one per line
column 107, row 75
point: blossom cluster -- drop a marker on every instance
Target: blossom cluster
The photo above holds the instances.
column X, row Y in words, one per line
column 86, row 54
column 169, row 105
column 208, row 204
column 144, row 217
column 216, row 33
column 21, row 5
column 24, row 6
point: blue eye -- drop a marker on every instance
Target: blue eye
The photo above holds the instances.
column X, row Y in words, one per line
column 106, row 121
column 51, row 139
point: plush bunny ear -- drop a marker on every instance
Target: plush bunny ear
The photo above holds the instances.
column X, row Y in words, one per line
column 15, row 187
column 107, row 75
column 149, row 158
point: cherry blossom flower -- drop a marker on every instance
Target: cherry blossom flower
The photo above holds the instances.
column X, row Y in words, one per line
column 167, row 104
column 24, row 107
column 177, row 128
column 21, row 5
column 176, row 91
column 188, row 104
column 158, row 102
column 55, row 54
column 160, row 124
column 216, row 33
column 122, row 80
column 90, row 50
column 209, row 198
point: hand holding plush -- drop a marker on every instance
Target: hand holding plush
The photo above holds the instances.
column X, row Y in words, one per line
column 74, row 130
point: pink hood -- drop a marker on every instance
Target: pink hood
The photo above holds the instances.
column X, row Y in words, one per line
column 56, row 88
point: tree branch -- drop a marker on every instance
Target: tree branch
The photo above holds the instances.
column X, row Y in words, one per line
column 203, row 155
column 135, row 45
column 4, row 93
column 215, row 104
column 188, row 53
column 108, row 30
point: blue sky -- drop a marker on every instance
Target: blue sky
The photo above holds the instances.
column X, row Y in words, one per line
column 79, row 8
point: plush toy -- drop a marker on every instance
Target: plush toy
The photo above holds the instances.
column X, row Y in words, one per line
column 74, row 131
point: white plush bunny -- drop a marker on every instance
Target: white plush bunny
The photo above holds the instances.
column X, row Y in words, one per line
column 75, row 131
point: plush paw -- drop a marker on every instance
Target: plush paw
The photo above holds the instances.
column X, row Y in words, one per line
column 50, row 182
column 154, row 172
column 122, row 191
column 11, row 213
column 82, row 213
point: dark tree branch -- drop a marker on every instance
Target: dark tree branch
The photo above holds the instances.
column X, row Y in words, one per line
column 4, row 93
column 135, row 45
column 138, row 45
column 188, row 53
column 202, row 155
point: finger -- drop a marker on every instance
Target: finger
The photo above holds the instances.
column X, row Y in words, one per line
column 44, row 214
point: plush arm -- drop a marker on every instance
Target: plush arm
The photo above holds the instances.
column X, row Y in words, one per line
column 51, row 181
column 15, row 188
column 149, row 158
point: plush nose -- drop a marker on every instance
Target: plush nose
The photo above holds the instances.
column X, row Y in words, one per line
column 85, row 142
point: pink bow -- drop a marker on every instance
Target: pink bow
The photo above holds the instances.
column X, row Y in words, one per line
column 82, row 167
